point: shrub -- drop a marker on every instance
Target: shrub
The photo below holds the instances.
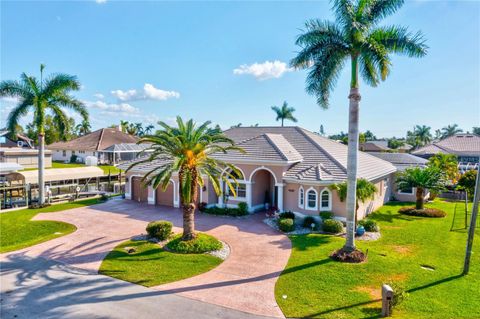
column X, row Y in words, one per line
column 73, row 158
column 202, row 206
column 332, row 226
column 202, row 243
column 289, row 215
column 369, row 225
column 242, row 209
column 326, row 215
column 426, row 212
column 308, row 221
column 399, row 294
column 226, row 211
column 286, row 225
column 159, row 229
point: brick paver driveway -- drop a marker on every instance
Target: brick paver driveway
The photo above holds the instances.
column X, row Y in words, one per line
column 245, row 281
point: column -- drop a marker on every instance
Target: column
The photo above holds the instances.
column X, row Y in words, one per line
column 151, row 195
column 248, row 190
column 220, row 198
column 280, row 196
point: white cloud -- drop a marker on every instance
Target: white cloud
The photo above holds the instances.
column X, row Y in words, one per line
column 7, row 100
column 99, row 96
column 112, row 107
column 265, row 70
column 149, row 92
column 100, row 1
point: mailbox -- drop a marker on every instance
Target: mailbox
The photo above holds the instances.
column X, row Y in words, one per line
column 387, row 300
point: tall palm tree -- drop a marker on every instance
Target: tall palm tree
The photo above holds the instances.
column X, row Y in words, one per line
column 188, row 150
column 124, row 125
column 83, row 128
column 131, row 129
column 422, row 134
column 284, row 112
column 450, row 130
column 356, row 36
column 139, row 129
column 148, row 129
column 431, row 178
column 43, row 96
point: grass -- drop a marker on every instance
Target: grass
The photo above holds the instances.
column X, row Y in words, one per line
column 150, row 265
column 106, row 168
column 317, row 287
column 17, row 230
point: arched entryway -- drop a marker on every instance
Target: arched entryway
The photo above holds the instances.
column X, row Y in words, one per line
column 165, row 197
column 264, row 192
column 139, row 190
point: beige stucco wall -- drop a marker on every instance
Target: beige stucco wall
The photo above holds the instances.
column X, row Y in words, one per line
column 27, row 161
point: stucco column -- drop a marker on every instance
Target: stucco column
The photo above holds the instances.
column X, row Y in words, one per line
column 248, row 190
column 128, row 188
column 280, row 196
column 220, row 198
column 151, row 195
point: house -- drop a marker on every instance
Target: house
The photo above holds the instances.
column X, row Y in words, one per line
column 289, row 168
column 108, row 145
column 382, row 146
column 465, row 146
column 402, row 161
column 26, row 157
column 18, row 141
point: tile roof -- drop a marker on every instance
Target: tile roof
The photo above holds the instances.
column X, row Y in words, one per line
column 459, row 144
column 315, row 158
column 401, row 160
column 95, row 141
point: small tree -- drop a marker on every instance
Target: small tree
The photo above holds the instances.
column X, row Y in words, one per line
column 284, row 112
column 466, row 182
column 447, row 163
column 431, row 178
column 365, row 190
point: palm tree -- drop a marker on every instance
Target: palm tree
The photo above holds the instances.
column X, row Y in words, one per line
column 284, row 112
column 83, row 128
column 355, row 36
column 187, row 150
column 42, row 96
column 447, row 163
column 476, row 130
column 131, row 129
column 422, row 134
column 450, row 130
column 430, row 178
column 139, row 129
column 124, row 125
column 365, row 191
column 148, row 129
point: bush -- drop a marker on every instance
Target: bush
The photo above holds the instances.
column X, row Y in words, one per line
column 399, row 294
column 308, row 221
column 369, row 225
column 202, row 243
column 202, row 206
column 73, row 158
column 332, row 226
column 159, row 229
column 286, row 225
column 242, row 208
column 326, row 215
column 289, row 215
column 426, row 212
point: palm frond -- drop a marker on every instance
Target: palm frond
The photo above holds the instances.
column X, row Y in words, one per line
column 399, row 40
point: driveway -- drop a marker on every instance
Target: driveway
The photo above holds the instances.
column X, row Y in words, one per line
column 244, row 282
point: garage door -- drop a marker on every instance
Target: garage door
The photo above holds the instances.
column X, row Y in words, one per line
column 164, row 198
column 139, row 191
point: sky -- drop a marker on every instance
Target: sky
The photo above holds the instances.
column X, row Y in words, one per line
column 228, row 62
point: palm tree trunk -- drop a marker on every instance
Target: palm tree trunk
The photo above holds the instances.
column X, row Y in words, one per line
column 282, row 122
column 352, row 162
column 41, row 168
column 419, row 202
column 188, row 222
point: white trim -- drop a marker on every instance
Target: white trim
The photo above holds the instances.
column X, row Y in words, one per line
column 399, row 191
column 263, row 168
column 329, row 207
column 301, row 196
column 316, row 199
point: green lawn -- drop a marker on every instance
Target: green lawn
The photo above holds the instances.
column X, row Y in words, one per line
column 151, row 266
column 317, row 287
column 106, row 168
column 17, row 230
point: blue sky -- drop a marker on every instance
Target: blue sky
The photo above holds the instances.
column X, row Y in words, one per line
column 180, row 58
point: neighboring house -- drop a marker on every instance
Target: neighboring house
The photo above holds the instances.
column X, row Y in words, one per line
column 19, row 140
column 403, row 161
column 26, row 157
column 289, row 168
column 108, row 145
column 382, row 146
column 465, row 146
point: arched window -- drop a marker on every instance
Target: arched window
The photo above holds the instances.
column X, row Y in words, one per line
column 311, row 199
column 301, row 197
column 325, row 200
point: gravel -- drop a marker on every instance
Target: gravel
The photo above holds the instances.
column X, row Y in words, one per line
column 222, row 253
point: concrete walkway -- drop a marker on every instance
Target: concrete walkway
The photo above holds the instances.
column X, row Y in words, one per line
column 244, row 282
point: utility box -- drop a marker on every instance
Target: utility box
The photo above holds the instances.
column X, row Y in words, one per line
column 387, row 300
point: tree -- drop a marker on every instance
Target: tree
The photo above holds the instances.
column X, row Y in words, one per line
column 124, row 125
column 476, row 130
column 421, row 134
column 131, row 129
column 355, row 36
column 42, row 96
column 369, row 136
column 148, row 129
column 450, row 130
column 431, row 178
column 139, row 129
column 447, row 163
column 52, row 134
column 438, row 135
column 466, row 182
column 322, row 130
column 365, row 191
column 187, row 150
column 394, row 143
column 83, row 128
column 284, row 112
